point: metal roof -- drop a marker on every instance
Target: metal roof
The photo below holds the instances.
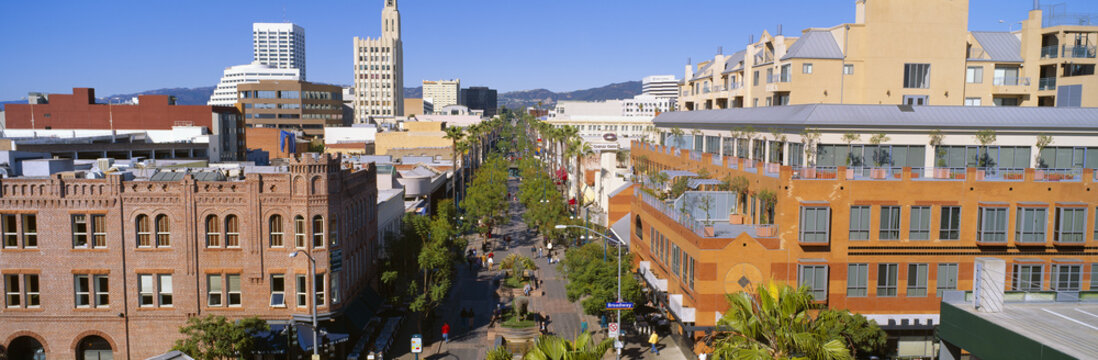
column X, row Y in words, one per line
column 815, row 45
column 885, row 116
column 671, row 174
column 999, row 46
column 733, row 61
column 701, row 72
column 694, row 183
column 178, row 175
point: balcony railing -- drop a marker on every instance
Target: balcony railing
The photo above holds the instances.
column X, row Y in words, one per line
column 1050, row 52
column 1010, row 81
column 1000, row 174
column 1048, row 83
column 1079, row 52
column 717, row 160
column 1058, row 174
column 735, row 85
column 731, row 162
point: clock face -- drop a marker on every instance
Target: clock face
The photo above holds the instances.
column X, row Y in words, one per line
column 742, row 277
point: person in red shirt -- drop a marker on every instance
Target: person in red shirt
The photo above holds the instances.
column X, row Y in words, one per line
column 446, row 332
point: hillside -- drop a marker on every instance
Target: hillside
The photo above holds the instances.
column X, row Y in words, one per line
column 512, row 99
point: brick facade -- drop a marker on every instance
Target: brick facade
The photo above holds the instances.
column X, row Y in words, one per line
column 313, row 186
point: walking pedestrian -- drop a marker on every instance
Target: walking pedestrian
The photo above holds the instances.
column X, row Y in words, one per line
column 539, row 252
column 490, row 262
column 654, row 339
column 446, row 332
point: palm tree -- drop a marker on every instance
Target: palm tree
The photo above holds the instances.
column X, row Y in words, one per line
column 580, row 149
column 454, row 134
column 773, row 324
column 549, row 347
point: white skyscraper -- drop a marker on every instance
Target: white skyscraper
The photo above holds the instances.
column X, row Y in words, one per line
column 280, row 45
column 379, row 70
column 225, row 92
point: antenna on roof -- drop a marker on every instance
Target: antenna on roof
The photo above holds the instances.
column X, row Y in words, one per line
column 779, row 29
column 720, row 50
column 751, row 39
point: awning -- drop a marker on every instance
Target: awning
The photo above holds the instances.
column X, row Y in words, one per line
column 684, row 313
column 650, row 278
column 273, row 341
column 305, row 337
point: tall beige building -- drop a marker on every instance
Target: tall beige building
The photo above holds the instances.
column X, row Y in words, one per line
column 915, row 52
column 442, row 93
column 379, row 70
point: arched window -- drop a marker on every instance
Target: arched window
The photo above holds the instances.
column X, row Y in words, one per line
column 213, row 231
column 93, row 348
column 232, row 231
column 163, row 231
column 299, row 231
column 144, row 234
column 275, row 226
column 318, row 231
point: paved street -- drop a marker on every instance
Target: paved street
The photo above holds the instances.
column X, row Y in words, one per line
column 474, row 290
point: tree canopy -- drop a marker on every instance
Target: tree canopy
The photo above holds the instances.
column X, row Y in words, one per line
column 216, row 338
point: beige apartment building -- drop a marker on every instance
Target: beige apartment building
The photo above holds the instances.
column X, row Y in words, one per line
column 915, row 52
column 442, row 93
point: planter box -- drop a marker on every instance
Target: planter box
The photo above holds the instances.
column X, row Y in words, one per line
column 765, row 231
column 808, row 173
column 708, row 231
column 1039, row 175
column 773, row 168
column 735, row 219
column 878, row 173
column 849, row 174
column 941, row 173
column 980, row 174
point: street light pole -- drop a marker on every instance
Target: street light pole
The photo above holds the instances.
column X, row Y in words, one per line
column 312, row 279
column 606, row 239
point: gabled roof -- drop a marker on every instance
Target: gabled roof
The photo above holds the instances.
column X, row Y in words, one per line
column 702, row 72
column 814, row 45
column 733, row 61
column 889, row 116
column 999, row 46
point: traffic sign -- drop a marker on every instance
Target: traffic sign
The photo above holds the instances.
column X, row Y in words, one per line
column 619, row 306
column 417, row 343
column 613, row 330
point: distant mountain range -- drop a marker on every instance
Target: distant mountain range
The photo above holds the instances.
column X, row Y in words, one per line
column 512, row 99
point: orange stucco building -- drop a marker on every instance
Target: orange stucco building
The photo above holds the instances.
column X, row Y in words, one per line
column 883, row 240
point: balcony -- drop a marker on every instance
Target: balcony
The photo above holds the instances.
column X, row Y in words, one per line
column 1048, row 83
column 714, row 207
column 1010, row 85
column 1050, row 52
column 1054, row 175
column 1079, row 52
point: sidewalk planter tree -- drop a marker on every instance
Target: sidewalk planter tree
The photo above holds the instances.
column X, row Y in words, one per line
column 551, row 347
column 216, row 338
column 774, row 323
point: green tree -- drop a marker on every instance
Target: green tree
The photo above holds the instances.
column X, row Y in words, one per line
column 216, row 338
column 768, row 198
column 774, row 323
column 863, row 337
column 550, row 347
column 486, row 200
column 454, row 134
column 594, row 282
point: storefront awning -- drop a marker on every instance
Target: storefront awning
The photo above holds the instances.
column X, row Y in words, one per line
column 305, row 337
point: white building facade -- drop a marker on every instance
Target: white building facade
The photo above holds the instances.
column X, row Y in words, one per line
column 225, row 92
column 660, row 85
column 379, row 70
column 280, row 45
column 599, row 118
column 646, row 105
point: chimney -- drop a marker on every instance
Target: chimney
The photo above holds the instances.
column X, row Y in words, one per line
column 987, row 287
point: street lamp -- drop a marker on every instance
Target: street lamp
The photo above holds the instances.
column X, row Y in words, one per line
column 617, row 243
column 312, row 278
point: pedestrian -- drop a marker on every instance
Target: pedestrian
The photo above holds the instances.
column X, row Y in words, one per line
column 526, row 289
column 534, row 251
column 445, row 332
column 539, row 252
column 583, row 327
column 654, row 339
column 490, row 262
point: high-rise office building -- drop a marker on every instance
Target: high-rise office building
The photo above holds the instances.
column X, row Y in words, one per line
column 660, row 85
column 480, row 98
column 442, row 93
column 379, row 70
column 225, row 92
column 280, row 45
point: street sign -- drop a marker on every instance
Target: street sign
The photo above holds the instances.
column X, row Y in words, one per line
column 618, row 344
column 613, row 330
column 619, row 306
column 417, row 343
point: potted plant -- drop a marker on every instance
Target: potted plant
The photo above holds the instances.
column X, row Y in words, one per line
column 878, row 156
column 738, row 185
column 849, row 139
column 811, row 137
column 1043, row 141
column 940, row 170
column 768, row 199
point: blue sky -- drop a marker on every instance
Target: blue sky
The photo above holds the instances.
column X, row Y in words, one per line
column 126, row 46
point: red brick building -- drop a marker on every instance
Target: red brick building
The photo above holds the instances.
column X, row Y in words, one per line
column 89, row 264
column 79, row 111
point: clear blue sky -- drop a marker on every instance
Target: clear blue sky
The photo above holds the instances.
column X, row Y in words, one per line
column 126, row 46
